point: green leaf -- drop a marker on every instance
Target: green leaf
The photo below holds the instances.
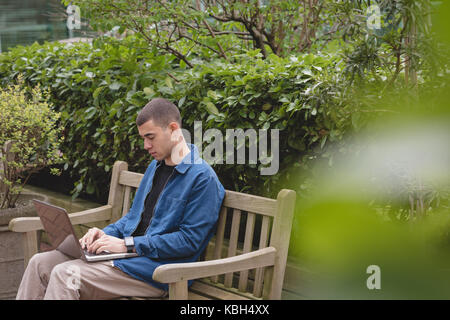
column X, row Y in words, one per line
column 90, row 188
column 322, row 143
column 97, row 92
column 266, row 106
column 168, row 82
column 212, row 94
column 211, row 108
column 79, row 187
column 90, row 112
column 115, row 85
column 148, row 91
column 181, row 102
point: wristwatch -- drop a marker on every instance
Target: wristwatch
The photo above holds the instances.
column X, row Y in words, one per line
column 129, row 243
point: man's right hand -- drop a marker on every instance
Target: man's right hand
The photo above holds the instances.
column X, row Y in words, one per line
column 90, row 236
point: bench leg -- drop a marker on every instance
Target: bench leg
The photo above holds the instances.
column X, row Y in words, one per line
column 30, row 245
column 178, row 290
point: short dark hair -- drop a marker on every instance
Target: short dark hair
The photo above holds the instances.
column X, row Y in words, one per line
column 161, row 111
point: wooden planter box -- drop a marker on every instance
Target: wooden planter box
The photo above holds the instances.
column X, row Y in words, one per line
column 11, row 249
column 11, row 262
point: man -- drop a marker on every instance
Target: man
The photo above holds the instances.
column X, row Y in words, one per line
column 171, row 220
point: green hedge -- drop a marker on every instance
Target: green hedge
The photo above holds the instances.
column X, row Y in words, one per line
column 100, row 87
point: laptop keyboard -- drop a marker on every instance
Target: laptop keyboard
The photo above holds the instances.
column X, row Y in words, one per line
column 86, row 253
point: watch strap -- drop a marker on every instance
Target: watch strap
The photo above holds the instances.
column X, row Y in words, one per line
column 129, row 243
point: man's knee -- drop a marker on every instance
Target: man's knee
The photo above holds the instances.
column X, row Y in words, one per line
column 44, row 262
column 35, row 259
column 39, row 262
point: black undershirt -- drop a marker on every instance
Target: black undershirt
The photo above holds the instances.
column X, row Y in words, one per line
column 160, row 179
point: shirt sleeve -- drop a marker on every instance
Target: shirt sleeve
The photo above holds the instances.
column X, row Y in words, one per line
column 116, row 229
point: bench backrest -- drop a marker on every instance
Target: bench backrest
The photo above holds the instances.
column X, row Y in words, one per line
column 267, row 223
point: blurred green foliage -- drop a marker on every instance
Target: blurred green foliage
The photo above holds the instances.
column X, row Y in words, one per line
column 340, row 238
column 385, row 203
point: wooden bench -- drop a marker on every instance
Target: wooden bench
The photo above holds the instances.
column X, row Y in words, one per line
column 237, row 265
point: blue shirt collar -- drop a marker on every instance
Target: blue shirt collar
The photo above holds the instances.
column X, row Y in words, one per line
column 191, row 158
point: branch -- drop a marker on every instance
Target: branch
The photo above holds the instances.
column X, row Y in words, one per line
column 214, row 36
column 238, row 33
column 198, row 42
column 251, row 26
column 211, row 32
column 224, row 18
column 178, row 54
column 173, row 77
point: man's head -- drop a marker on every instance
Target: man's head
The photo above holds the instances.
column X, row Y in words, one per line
column 161, row 111
column 158, row 123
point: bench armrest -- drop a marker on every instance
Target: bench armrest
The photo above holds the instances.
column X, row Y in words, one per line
column 86, row 216
column 174, row 272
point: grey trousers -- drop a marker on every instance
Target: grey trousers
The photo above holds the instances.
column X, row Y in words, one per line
column 55, row 276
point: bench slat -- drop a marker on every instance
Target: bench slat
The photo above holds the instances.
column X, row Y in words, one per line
column 263, row 242
column 251, row 203
column 196, row 296
column 126, row 201
column 219, row 238
column 249, row 228
column 129, row 178
column 233, row 242
column 214, row 292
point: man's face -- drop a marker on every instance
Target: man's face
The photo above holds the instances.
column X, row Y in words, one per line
column 157, row 140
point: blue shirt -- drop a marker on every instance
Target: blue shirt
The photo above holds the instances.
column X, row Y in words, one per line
column 183, row 221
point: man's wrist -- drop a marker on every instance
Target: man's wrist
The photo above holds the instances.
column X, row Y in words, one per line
column 129, row 244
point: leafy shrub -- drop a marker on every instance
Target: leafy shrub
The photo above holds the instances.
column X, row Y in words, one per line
column 99, row 88
column 27, row 122
column 297, row 95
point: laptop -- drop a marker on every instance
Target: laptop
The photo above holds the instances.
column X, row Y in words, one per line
column 62, row 236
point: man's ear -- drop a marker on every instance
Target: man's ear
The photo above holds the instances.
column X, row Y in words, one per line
column 176, row 133
column 174, row 126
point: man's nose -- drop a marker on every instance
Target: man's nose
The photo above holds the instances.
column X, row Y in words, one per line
column 147, row 145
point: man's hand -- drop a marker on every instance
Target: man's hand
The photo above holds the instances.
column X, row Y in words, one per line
column 92, row 235
column 107, row 243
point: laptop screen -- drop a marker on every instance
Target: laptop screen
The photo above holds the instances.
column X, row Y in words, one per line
column 59, row 229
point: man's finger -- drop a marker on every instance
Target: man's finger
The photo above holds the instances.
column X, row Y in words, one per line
column 92, row 235
column 94, row 245
column 101, row 249
column 84, row 240
column 83, row 243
